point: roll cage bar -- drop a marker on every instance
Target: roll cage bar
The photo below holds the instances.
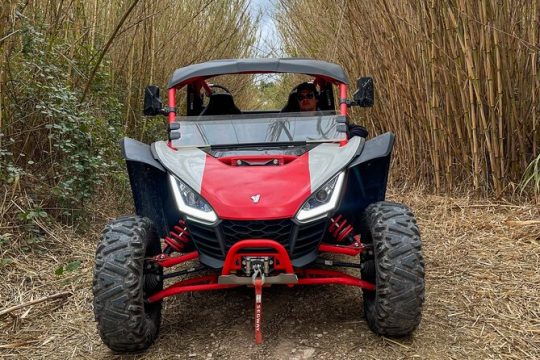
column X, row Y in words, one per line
column 196, row 75
column 331, row 72
column 203, row 84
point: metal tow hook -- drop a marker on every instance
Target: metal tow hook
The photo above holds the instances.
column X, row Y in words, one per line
column 258, row 282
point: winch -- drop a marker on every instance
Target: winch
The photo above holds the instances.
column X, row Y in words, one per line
column 261, row 264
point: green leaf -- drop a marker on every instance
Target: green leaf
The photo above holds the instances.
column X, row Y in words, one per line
column 59, row 271
column 74, row 265
column 22, row 216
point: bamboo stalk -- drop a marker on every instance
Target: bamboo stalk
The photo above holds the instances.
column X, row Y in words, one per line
column 94, row 25
column 467, row 50
column 106, row 47
column 435, row 131
column 500, row 96
column 131, row 56
column 535, row 85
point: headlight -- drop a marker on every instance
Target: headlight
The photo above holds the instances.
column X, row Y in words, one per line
column 191, row 203
column 323, row 200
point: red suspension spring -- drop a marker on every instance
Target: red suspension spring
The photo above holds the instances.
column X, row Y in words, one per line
column 178, row 237
column 340, row 228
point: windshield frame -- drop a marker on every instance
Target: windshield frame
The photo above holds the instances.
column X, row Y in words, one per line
column 263, row 129
column 343, row 107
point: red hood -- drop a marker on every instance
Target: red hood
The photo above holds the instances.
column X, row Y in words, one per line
column 281, row 189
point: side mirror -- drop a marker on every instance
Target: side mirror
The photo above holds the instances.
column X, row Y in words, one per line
column 364, row 94
column 152, row 102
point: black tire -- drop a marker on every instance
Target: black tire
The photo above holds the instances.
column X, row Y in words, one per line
column 125, row 322
column 396, row 266
column 357, row 130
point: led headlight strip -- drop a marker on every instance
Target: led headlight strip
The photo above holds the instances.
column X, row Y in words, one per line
column 322, row 201
column 190, row 202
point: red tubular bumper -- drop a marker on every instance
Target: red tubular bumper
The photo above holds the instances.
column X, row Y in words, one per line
column 282, row 263
column 280, row 253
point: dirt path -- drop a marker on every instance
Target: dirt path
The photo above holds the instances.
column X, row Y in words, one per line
column 482, row 301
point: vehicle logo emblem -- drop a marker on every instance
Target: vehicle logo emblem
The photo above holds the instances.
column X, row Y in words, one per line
column 256, row 198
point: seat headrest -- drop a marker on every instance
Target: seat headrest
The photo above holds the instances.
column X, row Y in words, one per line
column 221, row 104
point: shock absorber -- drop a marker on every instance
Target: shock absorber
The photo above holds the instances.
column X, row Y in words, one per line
column 178, row 238
column 340, row 229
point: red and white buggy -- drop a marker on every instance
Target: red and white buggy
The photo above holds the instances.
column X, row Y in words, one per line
column 257, row 198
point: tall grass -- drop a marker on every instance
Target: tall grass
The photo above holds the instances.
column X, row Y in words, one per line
column 456, row 80
column 531, row 178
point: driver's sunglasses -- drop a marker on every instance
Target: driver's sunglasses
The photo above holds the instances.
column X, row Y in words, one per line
column 309, row 96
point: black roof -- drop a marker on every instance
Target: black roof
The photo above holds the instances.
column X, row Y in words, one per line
column 234, row 66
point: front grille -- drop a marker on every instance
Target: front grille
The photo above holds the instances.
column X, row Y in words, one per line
column 309, row 236
column 205, row 239
column 298, row 240
column 278, row 230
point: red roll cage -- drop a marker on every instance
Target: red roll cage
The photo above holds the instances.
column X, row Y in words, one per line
column 203, row 84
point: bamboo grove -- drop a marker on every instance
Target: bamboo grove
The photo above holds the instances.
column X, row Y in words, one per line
column 72, row 76
column 456, row 80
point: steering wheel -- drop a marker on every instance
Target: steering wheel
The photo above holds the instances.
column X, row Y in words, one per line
column 222, row 90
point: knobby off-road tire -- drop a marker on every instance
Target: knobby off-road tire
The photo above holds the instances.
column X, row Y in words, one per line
column 396, row 267
column 124, row 321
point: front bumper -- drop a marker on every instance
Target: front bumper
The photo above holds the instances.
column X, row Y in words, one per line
column 301, row 241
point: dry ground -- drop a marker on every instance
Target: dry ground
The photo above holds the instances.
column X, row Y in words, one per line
column 482, row 299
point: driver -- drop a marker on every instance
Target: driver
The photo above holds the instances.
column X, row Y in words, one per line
column 307, row 97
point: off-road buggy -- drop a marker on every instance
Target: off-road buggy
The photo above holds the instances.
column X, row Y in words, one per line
column 257, row 198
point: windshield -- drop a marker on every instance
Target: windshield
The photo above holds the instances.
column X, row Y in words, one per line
column 266, row 128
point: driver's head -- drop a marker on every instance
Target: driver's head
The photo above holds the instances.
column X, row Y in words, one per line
column 307, row 96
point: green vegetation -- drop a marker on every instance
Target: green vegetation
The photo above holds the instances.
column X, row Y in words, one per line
column 72, row 76
column 69, row 267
